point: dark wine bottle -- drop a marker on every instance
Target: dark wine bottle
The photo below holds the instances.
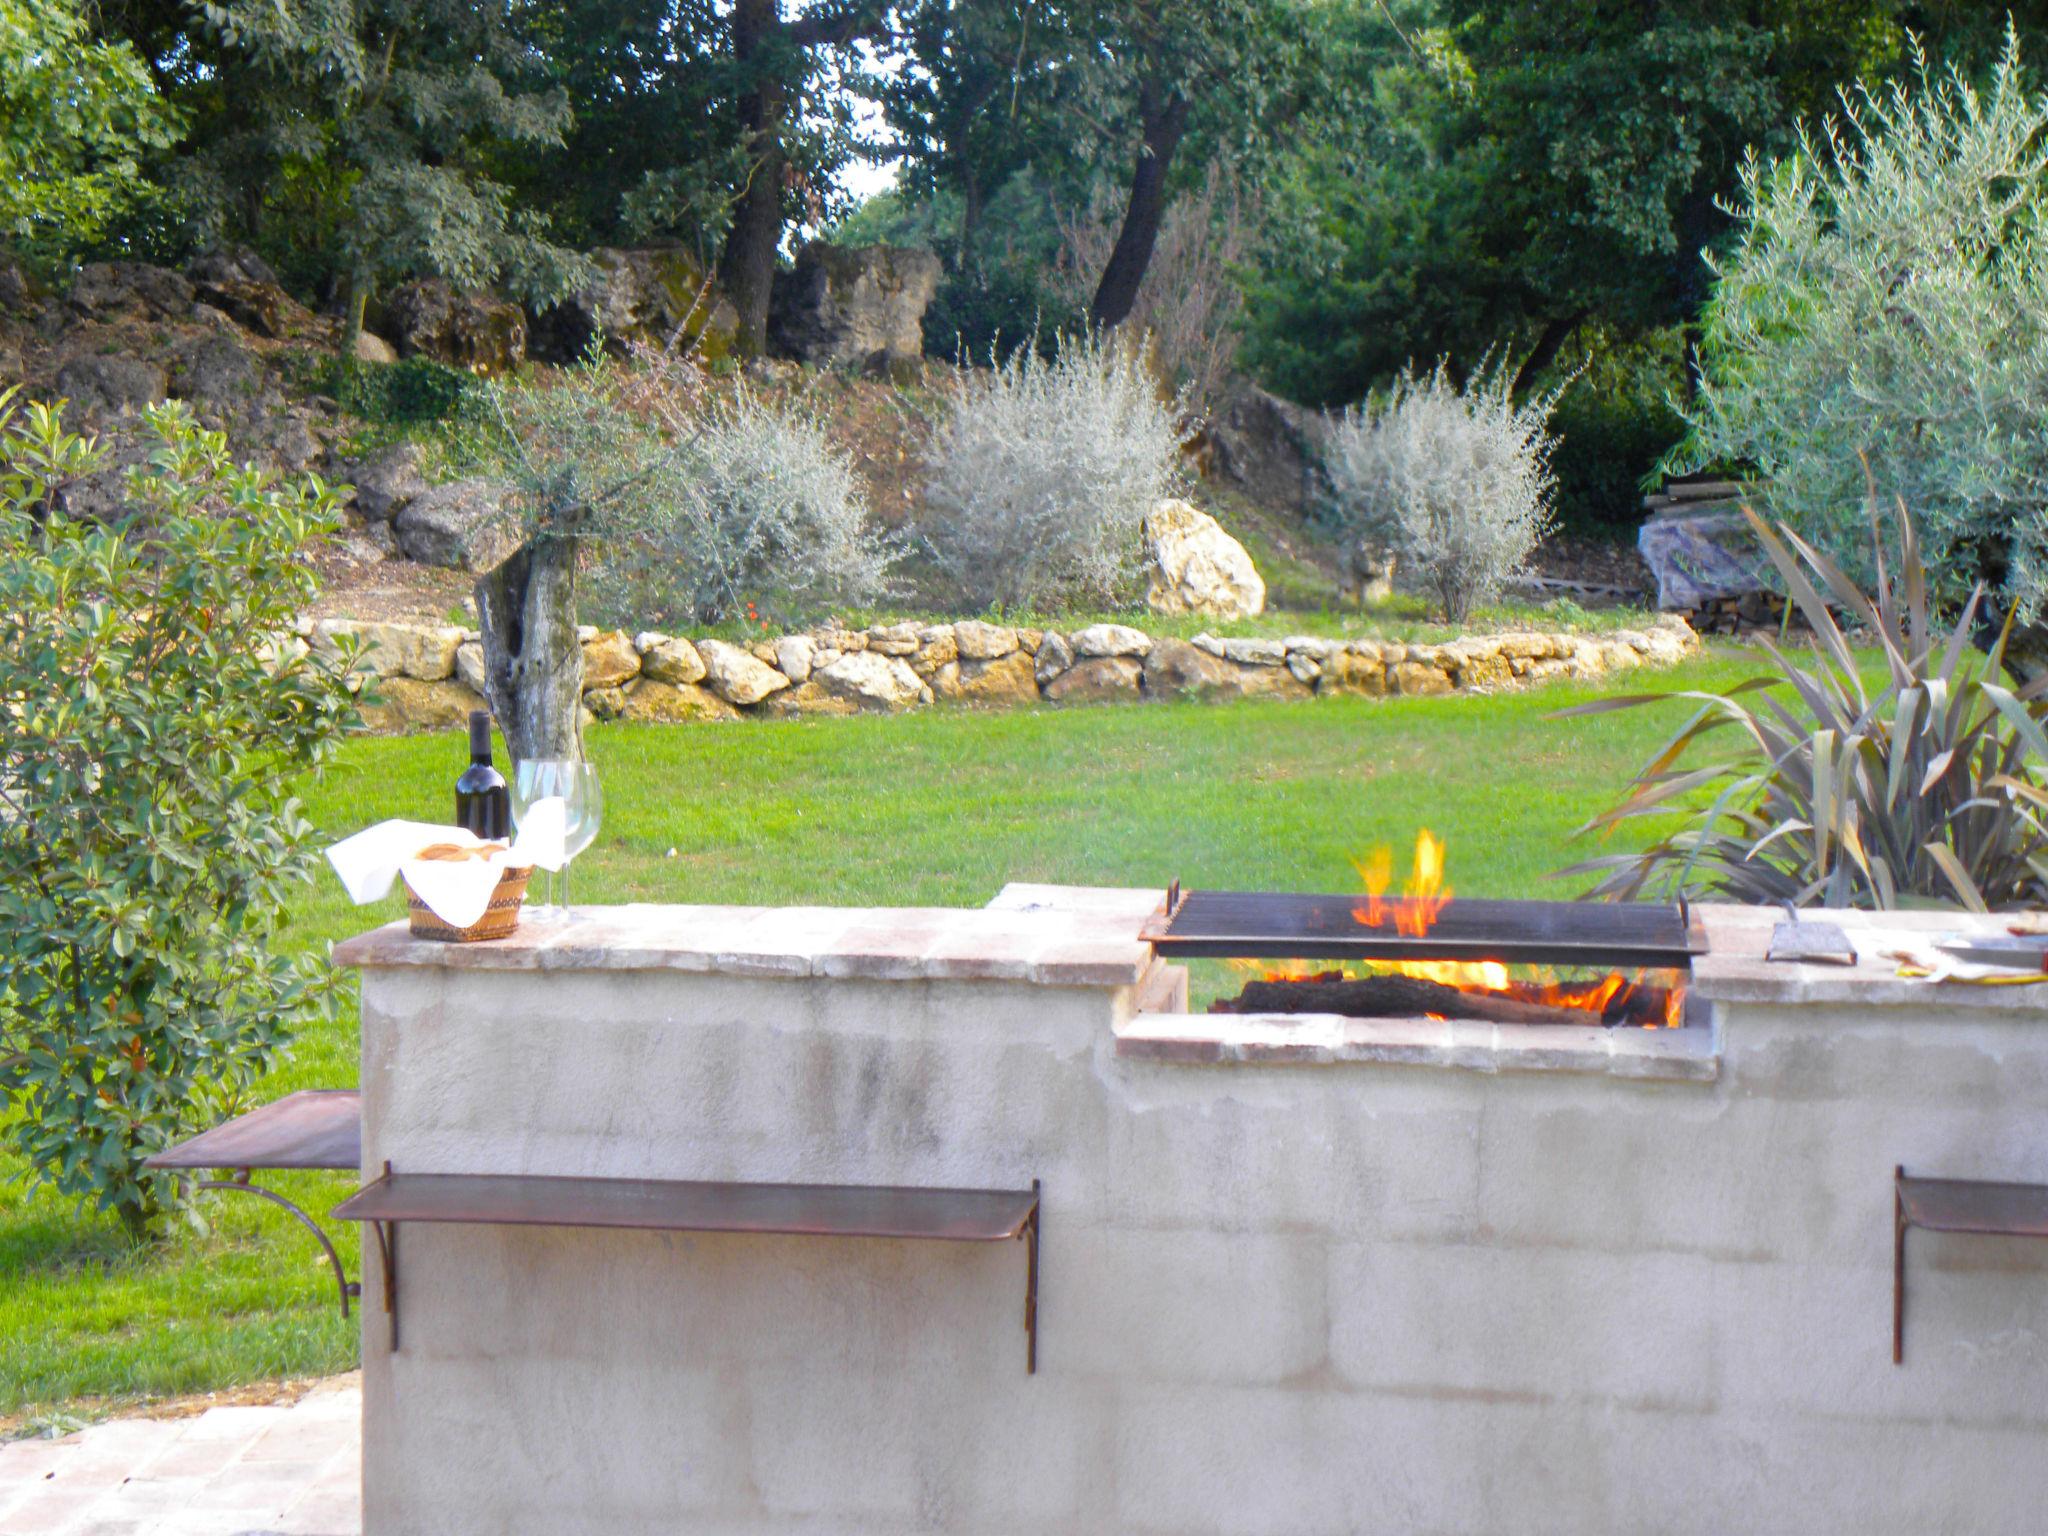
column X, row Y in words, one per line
column 482, row 803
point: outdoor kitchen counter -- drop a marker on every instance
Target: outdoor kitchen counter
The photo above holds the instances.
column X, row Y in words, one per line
column 1734, row 968
column 1066, row 946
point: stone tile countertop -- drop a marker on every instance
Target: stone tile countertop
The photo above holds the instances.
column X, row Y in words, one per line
column 1735, row 970
column 1088, row 941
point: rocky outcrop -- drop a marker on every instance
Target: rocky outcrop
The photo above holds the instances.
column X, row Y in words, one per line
column 108, row 290
column 428, row 676
column 462, row 526
column 1269, row 448
column 853, row 306
column 99, row 386
column 474, row 331
column 1193, row 566
column 650, row 296
column 386, row 482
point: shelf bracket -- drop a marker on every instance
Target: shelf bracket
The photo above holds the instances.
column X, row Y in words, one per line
column 1030, row 1236
column 240, row 1181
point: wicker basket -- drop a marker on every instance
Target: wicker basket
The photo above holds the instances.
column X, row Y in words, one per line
column 498, row 921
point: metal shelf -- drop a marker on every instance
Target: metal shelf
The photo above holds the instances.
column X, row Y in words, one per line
column 316, row 1128
column 1978, row 1206
column 674, row 1205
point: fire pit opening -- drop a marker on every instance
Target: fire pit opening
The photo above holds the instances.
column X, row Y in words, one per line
column 1423, row 953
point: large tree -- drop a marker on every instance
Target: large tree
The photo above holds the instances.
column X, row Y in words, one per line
column 76, row 114
column 778, row 58
column 384, row 114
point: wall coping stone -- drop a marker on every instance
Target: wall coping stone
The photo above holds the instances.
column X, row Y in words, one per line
column 1687, row 1055
column 1045, row 947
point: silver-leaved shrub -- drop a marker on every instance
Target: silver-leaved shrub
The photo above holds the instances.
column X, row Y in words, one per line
column 156, row 714
column 1455, row 483
column 1886, row 303
column 1039, row 481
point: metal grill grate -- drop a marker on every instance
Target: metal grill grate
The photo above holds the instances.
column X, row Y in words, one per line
column 1256, row 925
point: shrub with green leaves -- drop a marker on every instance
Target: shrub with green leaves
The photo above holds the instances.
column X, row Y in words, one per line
column 149, row 838
column 1887, row 296
column 1923, row 790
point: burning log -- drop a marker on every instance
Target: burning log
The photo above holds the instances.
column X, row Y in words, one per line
column 1378, row 997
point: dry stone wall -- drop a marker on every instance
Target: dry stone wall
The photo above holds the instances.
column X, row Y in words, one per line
column 428, row 677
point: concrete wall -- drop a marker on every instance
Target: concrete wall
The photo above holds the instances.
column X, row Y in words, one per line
column 1277, row 1300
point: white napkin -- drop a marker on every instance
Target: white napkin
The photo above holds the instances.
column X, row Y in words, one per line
column 458, row 892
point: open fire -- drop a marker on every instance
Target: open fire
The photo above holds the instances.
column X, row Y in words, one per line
column 1417, row 952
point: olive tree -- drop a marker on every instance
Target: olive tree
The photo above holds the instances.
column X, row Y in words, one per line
column 156, row 711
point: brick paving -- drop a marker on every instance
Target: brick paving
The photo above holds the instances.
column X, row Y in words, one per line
column 232, row 1471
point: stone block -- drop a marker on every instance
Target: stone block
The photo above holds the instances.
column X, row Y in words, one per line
column 873, row 680
column 1006, row 679
column 1096, row 680
column 647, row 702
column 404, row 705
column 977, row 641
column 670, row 660
column 1111, row 640
column 808, row 698
column 609, row 660
column 1350, row 671
column 1415, row 677
column 795, row 655
column 736, row 675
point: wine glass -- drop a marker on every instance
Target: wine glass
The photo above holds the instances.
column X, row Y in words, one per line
column 574, row 784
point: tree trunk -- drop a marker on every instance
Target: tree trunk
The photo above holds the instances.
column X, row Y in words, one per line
column 746, row 270
column 1164, row 123
column 1556, row 332
column 352, row 312
column 533, row 663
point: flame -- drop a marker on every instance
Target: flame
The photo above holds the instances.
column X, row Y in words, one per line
column 1414, row 911
column 1645, row 999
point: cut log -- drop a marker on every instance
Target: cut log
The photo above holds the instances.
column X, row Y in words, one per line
column 1380, row 997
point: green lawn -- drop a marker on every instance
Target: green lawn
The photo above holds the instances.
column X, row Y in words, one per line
column 933, row 808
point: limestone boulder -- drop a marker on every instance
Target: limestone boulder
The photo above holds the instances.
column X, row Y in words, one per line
column 1177, row 667
column 100, row 385
column 609, row 660
column 937, row 647
column 1353, row 671
column 397, row 705
column 895, row 639
column 640, row 296
column 872, row 679
column 795, row 655
column 649, row 702
column 423, row 652
column 474, row 331
column 669, row 659
column 809, row 698
column 1097, row 679
column 977, row 641
column 736, row 675
column 461, row 526
column 386, row 481
column 853, row 306
column 1244, row 650
column 1054, row 656
column 1193, row 566
column 1418, row 677
column 261, row 307
column 372, row 348
column 106, row 290
column 1111, row 640
column 1008, row 679
column 469, row 666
